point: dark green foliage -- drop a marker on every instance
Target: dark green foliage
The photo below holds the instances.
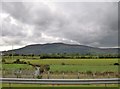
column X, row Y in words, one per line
column 3, row 61
column 116, row 63
column 62, row 63
column 47, row 67
column 39, row 77
column 89, row 72
column 28, row 63
column 17, row 61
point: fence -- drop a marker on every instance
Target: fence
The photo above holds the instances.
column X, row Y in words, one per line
column 61, row 81
column 58, row 75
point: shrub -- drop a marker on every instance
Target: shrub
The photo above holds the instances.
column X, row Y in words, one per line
column 3, row 61
column 39, row 77
column 41, row 69
column 47, row 67
column 24, row 62
column 17, row 61
column 62, row 63
column 28, row 63
column 89, row 72
column 116, row 63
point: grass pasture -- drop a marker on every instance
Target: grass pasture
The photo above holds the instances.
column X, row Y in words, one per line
column 90, row 62
column 58, row 66
column 38, row 86
column 16, row 66
column 74, row 65
column 69, row 65
column 83, row 68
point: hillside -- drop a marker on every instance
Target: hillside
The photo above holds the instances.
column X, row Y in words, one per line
column 62, row 48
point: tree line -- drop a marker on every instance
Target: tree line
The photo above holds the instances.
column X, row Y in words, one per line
column 67, row 56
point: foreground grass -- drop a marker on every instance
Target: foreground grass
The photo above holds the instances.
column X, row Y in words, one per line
column 61, row 87
column 38, row 85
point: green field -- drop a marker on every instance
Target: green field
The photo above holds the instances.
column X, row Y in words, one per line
column 16, row 66
column 75, row 65
column 68, row 66
column 71, row 67
column 97, row 62
column 83, row 68
column 36, row 60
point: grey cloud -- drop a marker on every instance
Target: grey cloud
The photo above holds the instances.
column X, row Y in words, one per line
column 111, row 39
column 16, row 9
column 30, row 13
column 13, row 30
column 93, row 23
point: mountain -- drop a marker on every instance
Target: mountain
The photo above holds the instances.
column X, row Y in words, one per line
column 62, row 48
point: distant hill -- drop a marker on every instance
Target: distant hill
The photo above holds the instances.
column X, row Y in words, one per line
column 62, row 48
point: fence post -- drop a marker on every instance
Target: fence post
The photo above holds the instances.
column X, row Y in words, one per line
column 105, row 86
column 9, row 85
column 78, row 75
column 63, row 75
column 3, row 73
column 108, row 75
column 48, row 75
column 93, row 75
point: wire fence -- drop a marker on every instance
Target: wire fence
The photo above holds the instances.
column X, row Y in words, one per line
column 27, row 73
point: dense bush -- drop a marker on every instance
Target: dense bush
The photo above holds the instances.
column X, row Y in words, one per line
column 39, row 77
column 62, row 63
column 116, row 63
column 17, row 61
column 47, row 67
column 3, row 61
column 89, row 72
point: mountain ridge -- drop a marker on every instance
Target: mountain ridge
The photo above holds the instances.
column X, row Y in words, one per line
column 62, row 48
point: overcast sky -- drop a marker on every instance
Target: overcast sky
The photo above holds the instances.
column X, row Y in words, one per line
column 89, row 23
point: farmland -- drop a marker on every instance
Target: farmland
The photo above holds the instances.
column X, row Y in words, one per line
column 16, row 66
column 78, row 68
column 59, row 69
column 67, row 68
column 36, row 60
column 70, row 67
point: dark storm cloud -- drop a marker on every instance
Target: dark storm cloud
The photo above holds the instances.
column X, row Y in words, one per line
column 93, row 23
